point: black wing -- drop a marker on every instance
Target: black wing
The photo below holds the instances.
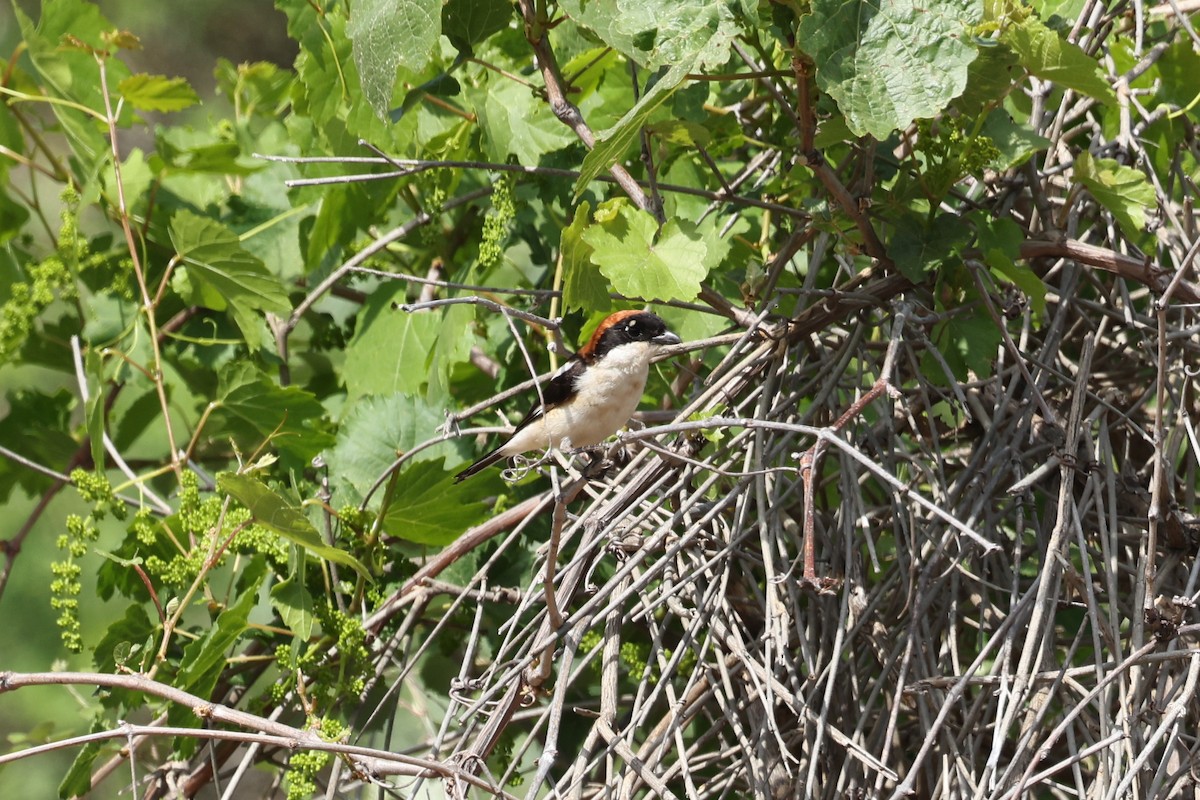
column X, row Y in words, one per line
column 556, row 390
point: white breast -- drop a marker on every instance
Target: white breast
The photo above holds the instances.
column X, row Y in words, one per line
column 607, row 394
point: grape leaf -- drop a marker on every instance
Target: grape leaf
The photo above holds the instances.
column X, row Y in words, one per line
column 374, row 433
column 221, row 274
column 1050, row 57
column 513, row 122
column 468, row 22
column 157, row 93
column 681, row 36
column 388, row 35
column 641, row 261
column 390, row 349
column 888, row 62
column 204, row 658
column 251, row 407
column 273, row 511
column 583, row 285
column 1124, row 191
column 428, row 507
column 919, row 247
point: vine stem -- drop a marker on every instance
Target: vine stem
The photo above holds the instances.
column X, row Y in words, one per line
column 138, row 268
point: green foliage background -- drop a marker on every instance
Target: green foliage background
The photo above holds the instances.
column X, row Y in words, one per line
column 235, row 319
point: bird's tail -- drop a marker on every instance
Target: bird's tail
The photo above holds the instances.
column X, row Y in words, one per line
column 480, row 465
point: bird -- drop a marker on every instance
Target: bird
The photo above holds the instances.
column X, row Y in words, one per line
column 593, row 394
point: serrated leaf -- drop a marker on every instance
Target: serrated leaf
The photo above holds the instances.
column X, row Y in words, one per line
column 134, row 627
column 514, row 122
column 428, row 507
column 272, row 511
column 390, row 351
column 889, row 62
column 78, row 780
column 157, row 93
column 221, row 274
column 252, row 406
column 1122, row 190
column 388, row 35
column 642, row 261
column 684, row 37
column 968, row 342
column 374, row 433
column 1050, row 57
column 583, row 286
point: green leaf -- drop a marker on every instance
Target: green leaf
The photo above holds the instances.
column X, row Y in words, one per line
column 204, row 658
column 1177, row 69
column 468, row 22
column 968, row 342
column 1122, row 190
column 221, row 274
column 157, row 93
column 251, row 407
column 1015, row 141
column 920, row 247
column 889, row 63
column 390, row 351
column 612, row 144
column 1000, row 240
column 641, row 261
column 583, row 286
column 272, row 511
column 388, row 35
column 428, row 507
column 374, row 433
column 133, row 628
column 95, row 407
column 294, row 603
column 1050, row 57
column 685, row 36
column 656, row 33
column 514, row 122
column 78, row 780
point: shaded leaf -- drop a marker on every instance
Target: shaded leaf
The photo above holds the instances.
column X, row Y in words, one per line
column 583, row 286
column 920, row 247
column 468, row 22
column 428, row 507
column 251, row 406
column 1000, row 242
column 221, row 274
